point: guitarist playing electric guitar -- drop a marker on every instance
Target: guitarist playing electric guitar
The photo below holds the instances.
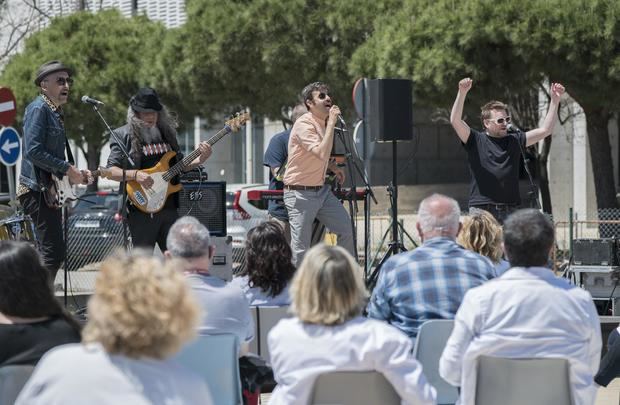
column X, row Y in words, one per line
column 45, row 145
column 149, row 134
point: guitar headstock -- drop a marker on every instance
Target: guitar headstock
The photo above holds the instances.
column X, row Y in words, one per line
column 238, row 120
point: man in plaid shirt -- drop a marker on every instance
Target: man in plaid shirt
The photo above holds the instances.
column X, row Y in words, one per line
column 430, row 281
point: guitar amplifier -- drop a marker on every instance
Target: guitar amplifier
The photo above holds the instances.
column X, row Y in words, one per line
column 595, row 252
column 205, row 200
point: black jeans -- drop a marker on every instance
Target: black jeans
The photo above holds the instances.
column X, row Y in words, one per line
column 148, row 229
column 499, row 211
column 49, row 229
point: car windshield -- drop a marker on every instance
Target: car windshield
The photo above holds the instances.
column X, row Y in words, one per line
column 99, row 201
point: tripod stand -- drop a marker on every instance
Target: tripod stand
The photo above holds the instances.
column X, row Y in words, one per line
column 395, row 246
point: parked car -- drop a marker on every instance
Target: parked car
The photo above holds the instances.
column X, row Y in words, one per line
column 245, row 208
column 94, row 229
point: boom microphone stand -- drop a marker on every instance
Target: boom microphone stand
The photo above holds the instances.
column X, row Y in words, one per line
column 126, row 158
column 352, row 159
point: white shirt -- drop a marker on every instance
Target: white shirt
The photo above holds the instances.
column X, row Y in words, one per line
column 527, row 312
column 225, row 308
column 301, row 352
column 78, row 374
column 257, row 297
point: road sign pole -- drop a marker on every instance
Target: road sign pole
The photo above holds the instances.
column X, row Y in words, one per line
column 11, row 178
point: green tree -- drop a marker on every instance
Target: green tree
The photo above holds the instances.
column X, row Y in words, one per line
column 509, row 48
column 261, row 53
column 109, row 66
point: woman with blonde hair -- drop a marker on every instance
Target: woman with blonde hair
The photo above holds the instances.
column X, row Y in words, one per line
column 481, row 233
column 329, row 334
column 141, row 313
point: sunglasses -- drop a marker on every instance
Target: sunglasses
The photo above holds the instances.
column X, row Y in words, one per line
column 500, row 121
column 323, row 96
column 61, row 81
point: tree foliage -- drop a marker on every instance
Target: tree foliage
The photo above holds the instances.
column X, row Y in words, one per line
column 108, row 54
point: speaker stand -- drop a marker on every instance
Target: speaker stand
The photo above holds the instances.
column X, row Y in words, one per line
column 395, row 246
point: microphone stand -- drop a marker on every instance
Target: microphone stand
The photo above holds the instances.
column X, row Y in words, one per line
column 353, row 158
column 533, row 194
column 123, row 185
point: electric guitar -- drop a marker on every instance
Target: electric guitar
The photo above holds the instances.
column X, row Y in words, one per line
column 151, row 200
column 61, row 192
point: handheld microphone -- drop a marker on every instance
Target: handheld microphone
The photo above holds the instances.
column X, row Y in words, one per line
column 341, row 121
column 88, row 100
column 512, row 128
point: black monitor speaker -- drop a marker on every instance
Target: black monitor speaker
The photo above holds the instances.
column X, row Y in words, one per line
column 389, row 109
column 205, row 200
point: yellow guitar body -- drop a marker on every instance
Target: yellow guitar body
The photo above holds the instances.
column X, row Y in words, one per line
column 153, row 199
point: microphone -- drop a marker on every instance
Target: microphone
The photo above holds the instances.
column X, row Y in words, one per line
column 341, row 121
column 88, row 100
column 512, row 128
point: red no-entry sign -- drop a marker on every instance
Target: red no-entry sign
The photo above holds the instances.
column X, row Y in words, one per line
column 8, row 108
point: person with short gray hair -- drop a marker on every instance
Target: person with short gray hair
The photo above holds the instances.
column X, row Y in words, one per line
column 226, row 309
column 188, row 238
column 430, row 281
column 527, row 312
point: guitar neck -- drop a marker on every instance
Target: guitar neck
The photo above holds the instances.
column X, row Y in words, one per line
column 179, row 166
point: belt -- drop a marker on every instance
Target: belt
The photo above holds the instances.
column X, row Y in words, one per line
column 499, row 206
column 296, row 187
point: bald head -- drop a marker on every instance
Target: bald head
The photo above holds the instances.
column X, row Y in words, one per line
column 438, row 215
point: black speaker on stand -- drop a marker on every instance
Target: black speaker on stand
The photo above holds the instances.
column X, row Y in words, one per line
column 205, row 200
column 388, row 117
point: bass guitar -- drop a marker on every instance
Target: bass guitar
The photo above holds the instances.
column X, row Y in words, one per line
column 151, row 200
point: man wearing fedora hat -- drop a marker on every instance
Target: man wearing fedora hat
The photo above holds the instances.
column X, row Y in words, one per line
column 45, row 145
column 150, row 132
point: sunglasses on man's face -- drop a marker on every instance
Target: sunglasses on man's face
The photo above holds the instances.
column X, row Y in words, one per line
column 500, row 121
column 61, row 81
column 323, row 96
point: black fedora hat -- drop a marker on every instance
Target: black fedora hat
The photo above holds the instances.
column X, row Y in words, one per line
column 146, row 100
column 51, row 67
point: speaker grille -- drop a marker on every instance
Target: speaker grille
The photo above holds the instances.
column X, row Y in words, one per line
column 207, row 202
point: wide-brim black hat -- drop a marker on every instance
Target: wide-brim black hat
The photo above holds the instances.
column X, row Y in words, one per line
column 51, row 67
column 146, row 100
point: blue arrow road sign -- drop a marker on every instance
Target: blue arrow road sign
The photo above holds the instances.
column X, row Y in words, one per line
column 10, row 146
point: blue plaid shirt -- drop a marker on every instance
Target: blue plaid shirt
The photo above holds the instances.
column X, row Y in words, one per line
column 426, row 283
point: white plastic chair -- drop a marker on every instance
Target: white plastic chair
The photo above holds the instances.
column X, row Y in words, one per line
column 353, row 388
column 522, row 381
column 266, row 319
column 215, row 358
column 430, row 343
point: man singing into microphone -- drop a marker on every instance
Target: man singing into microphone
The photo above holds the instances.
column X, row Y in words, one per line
column 47, row 153
column 494, row 154
column 305, row 193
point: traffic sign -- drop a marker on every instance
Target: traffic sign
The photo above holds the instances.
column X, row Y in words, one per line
column 10, row 146
column 8, row 108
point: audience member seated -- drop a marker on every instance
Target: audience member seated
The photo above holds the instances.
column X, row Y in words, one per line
column 226, row 310
column 610, row 364
column 141, row 313
column 526, row 313
column 268, row 266
column 329, row 334
column 430, row 281
column 32, row 321
column 482, row 234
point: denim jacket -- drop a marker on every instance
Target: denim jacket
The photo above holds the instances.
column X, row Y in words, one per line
column 43, row 145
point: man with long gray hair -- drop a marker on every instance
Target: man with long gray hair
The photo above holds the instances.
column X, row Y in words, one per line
column 430, row 281
column 150, row 132
column 226, row 309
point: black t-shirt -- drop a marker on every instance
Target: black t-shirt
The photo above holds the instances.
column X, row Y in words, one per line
column 26, row 343
column 494, row 167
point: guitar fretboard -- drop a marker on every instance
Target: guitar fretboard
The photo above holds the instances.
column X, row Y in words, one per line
column 179, row 166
